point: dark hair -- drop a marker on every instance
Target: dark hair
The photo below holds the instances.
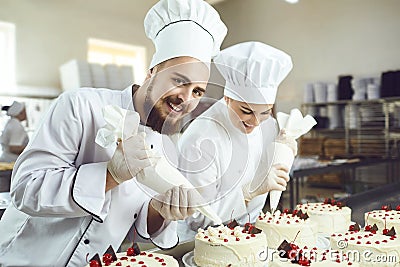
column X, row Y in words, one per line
column 5, row 108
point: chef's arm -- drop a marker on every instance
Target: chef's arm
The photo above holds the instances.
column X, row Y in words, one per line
column 16, row 149
column 154, row 220
column 110, row 181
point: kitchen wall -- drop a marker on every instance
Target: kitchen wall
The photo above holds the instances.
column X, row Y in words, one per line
column 325, row 38
column 51, row 32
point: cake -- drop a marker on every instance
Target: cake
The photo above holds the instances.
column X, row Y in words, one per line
column 286, row 226
column 330, row 216
column 289, row 254
column 230, row 245
column 372, row 247
column 132, row 258
column 384, row 218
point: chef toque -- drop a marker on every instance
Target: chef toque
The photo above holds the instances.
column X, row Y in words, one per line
column 253, row 71
column 15, row 109
column 184, row 28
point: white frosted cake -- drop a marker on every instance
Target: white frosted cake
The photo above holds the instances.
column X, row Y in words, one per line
column 331, row 217
column 224, row 246
column 371, row 247
column 287, row 226
column 385, row 216
column 289, row 254
column 128, row 258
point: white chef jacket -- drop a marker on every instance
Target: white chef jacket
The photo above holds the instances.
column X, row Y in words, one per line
column 219, row 159
column 14, row 134
column 60, row 213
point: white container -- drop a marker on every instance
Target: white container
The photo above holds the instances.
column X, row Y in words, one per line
column 320, row 92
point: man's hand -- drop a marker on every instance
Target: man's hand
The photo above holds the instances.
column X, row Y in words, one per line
column 131, row 156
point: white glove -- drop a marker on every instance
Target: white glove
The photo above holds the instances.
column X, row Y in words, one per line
column 288, row 140
column 177, row 203
column 276, row 179
column 131, row 156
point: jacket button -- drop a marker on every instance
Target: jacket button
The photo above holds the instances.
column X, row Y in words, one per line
column 87, row 241
column 135, row 216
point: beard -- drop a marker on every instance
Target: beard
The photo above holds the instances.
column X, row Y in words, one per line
column 158, row 119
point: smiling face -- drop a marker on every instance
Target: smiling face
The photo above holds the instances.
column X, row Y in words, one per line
column 246, row 117
column 174, row 89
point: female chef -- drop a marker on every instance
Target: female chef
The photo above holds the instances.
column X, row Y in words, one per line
column 14, row 137
column 72, row 198
column 221, row 150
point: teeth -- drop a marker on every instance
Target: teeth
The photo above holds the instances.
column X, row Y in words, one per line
column 174, row 107
column 248, row 125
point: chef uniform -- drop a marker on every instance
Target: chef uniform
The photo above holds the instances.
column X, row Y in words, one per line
column 219, row 158
column 14, row 133
column 61, row 214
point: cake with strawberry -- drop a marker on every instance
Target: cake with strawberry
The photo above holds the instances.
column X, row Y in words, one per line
column 289, row 254
column 372, row 246
column 230, row 245
column 132, row 258
column 286, row 225
column 330, row 216
column 385, row 218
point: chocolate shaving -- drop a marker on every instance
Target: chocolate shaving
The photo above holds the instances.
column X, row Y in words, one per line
column 327, row 201
column 111, row 251
column 304, row 216
column 299, row 214
column 96, row 258
column 356, row 227
column 284, row 249
column 374, row 228
column 247, row 226
column 136, row 249
column 255, row 230
column 232, row 224
column 341, row 204
column 392, row 232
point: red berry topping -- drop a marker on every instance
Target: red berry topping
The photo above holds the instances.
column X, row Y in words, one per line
column 141, row 262
column 225, row 240
column 107, row 258
column 143, row 253
column 94, row 263
column 398, row 208
column 385, row 231
column 368, row 228
column 118, row 264
column 237, row 239
column 130, row 252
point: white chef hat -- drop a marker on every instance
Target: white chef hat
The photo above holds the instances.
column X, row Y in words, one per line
column 15, row 109
column 184, row 28
column 253, row 71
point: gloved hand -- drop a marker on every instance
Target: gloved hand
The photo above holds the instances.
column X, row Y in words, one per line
column 177, row 203
column 131, row 156
column 277, row 179
column 288, row 140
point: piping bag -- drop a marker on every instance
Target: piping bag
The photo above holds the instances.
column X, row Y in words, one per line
column 295, row 125
column 161, row 176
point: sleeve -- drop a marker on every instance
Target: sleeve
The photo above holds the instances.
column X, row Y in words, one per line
column 17, row 134
column 46, row 180
column 200, row 163
column 165, row 238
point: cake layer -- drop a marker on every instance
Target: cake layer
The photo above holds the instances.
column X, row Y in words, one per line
column 287, row 226
column 315, row 258
column 371, row 248
column 143, row 259
column 329, row 218
column 223, row 246
column 378, row 217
